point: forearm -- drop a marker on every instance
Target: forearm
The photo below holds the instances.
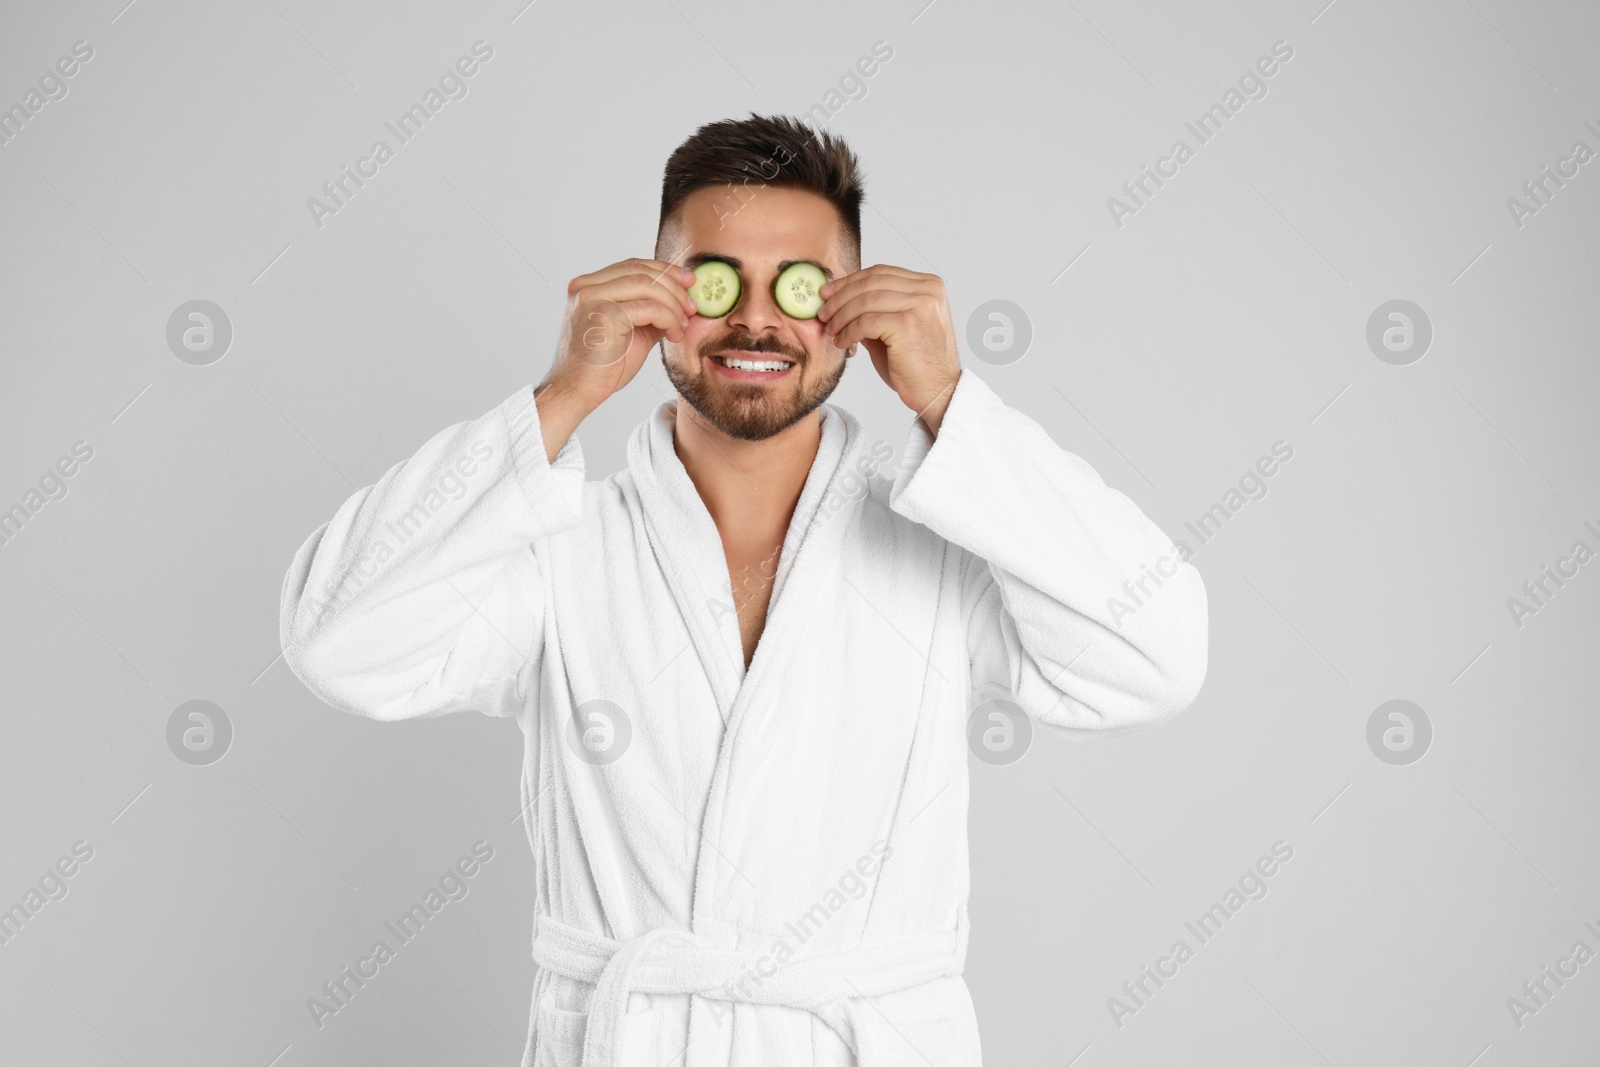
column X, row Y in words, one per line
column 381, row 600
column 1064, row 548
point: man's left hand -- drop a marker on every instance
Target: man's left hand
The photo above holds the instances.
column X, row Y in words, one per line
column 903, row 318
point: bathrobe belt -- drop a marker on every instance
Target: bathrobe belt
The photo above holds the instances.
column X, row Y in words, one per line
column 669, row 961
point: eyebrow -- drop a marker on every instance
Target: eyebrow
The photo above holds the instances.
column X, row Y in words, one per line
column 737, row 264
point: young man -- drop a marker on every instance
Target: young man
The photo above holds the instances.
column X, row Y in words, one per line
column 745, row 666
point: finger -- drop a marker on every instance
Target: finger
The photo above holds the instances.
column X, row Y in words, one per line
column 872, row 325
column 890, row 270
column 629, row 266
column 855, row 284
column 647, row 314
column 671, row 274
column 875, row 300
column 640, row 285
column 654, row 267
column 884, row 270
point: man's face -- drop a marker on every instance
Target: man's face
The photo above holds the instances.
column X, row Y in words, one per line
column 759, row 231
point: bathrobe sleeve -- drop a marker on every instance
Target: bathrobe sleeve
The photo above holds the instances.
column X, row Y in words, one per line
column 422, row 595
column 1048, row 548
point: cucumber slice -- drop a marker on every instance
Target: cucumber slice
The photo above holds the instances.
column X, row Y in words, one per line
column 796, row 290
column 715, row 289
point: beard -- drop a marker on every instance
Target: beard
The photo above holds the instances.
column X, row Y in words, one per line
column 748, row 411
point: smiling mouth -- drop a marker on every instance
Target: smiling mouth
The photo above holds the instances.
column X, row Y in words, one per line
column 752, row 362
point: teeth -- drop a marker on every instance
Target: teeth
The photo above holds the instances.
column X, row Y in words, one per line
column 752, row 364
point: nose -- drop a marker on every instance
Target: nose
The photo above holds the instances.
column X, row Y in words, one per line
column 757, row 312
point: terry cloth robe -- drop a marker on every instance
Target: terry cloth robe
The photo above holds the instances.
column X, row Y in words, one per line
column 762, row 868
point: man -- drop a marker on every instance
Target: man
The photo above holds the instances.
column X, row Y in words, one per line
column 745, row 666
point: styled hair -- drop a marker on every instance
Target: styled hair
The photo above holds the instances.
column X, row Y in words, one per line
column 775, row 150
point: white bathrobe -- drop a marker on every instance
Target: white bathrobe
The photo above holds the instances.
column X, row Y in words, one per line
column 762, row 868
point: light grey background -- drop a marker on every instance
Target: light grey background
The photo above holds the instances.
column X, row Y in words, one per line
column 1229, row 313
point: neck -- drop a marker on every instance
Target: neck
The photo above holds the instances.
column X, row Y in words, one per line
column 748, row 486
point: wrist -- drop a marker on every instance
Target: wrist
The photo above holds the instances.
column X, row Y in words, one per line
column 560, row 410
column 564, row 397
column 931, row 413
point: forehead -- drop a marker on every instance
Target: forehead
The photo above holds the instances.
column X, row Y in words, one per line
column 759, row 224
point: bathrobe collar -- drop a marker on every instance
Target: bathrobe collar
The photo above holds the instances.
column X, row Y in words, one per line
column 685, row 541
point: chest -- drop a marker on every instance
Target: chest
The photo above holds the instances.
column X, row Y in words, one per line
column 752, row 566
column 679, row 624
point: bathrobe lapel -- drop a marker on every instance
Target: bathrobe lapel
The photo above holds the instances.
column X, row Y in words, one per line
column 686, row 543
column 688, row 549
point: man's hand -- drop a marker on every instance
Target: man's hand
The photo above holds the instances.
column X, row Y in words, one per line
column 903, row 318
column 614, row 318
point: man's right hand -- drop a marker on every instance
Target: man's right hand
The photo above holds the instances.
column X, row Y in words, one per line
column 614, row 318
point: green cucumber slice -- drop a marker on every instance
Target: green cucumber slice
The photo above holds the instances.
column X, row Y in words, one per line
column 796, row 290
column 715, row 289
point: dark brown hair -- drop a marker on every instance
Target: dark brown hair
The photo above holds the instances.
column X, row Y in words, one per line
column 775, row 150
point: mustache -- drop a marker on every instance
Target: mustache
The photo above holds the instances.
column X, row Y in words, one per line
column 743, row 342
